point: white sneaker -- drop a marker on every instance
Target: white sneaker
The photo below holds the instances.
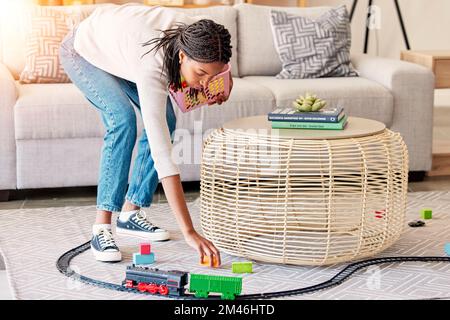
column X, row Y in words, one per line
column 103, row 245
column 135, row 224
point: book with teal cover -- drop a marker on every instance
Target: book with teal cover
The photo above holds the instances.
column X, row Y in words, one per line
column 290, row 114
column 310, row 125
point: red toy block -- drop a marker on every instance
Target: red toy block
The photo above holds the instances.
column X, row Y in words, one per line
column 145, row 248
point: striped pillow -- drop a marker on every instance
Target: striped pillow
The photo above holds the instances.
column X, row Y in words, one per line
column 46, row 30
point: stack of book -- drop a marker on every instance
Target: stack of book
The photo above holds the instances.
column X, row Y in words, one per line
column 327, row 118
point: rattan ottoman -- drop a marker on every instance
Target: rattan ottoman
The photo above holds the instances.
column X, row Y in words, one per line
column 306, row 197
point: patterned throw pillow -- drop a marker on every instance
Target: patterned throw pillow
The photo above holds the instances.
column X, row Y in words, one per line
column 313, row 48
column 47, row 28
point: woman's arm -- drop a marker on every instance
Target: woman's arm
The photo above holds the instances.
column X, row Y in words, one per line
column 153, row 98
column 173, row 190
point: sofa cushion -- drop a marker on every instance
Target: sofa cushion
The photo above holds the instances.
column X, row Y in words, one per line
column 55, row 111
column 256, row 50
column 360, row 97
column 48, row 27
column 311, row 48
column 60, row 111
column 14, row 26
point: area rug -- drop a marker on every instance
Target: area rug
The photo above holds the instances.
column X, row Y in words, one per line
column 31, row 240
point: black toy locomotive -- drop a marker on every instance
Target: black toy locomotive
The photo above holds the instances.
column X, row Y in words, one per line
column 156, row 281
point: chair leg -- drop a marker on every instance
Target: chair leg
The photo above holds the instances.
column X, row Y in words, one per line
column 4, row 195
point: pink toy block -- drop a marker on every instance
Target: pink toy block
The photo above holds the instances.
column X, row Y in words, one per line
column 145, row 248
column 219, row 84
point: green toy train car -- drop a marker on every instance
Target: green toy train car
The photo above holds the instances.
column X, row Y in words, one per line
column 201, row 285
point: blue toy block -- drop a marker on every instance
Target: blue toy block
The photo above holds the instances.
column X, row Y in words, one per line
column 447, row 249
column 139, row 259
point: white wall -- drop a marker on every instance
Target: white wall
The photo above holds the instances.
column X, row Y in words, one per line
column 427, row 24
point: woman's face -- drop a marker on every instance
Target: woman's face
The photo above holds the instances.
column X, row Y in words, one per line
column 197, row 74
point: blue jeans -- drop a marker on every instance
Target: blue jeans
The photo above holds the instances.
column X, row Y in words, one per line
column 111, row 96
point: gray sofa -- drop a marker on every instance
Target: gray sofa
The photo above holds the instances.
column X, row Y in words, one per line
column 50, row 136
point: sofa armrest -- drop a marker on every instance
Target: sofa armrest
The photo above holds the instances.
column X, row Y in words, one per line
column 8, row 97
column 412, row 87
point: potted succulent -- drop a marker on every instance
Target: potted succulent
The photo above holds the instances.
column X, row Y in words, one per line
column 308, row 103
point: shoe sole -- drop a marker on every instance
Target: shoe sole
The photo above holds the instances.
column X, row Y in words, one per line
column 157, row 236
column 107, row 256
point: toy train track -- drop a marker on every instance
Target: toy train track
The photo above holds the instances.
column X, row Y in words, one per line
column 63, row 265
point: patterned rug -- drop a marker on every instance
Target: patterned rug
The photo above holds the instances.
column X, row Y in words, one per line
column 31, row 240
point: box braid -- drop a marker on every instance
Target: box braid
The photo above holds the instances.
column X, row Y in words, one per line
column 203, row 41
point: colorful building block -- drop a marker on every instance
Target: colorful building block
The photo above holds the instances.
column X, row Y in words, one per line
column 205, row 262
column 242, row 267
column 145, row 248
column 447, row 249
column 139, row 259
column 426, row 213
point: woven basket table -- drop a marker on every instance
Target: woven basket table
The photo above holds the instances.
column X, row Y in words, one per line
column 306, row 197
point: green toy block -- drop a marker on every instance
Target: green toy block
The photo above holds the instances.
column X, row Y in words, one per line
column 139, row 259
column 426, row 213
column 242, row 267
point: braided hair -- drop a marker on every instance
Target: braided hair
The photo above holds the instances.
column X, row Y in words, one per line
column 203, row 41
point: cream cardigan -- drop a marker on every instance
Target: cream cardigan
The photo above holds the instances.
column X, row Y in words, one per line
column 110, row 39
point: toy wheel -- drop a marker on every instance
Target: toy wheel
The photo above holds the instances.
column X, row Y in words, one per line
column 142, row 286
column 163, row 290
column 129, row 284
column 227, row 296
column 201, row 294
column 152, row 288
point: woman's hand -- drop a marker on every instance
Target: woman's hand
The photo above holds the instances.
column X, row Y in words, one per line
column 173, row 190
column 203, row 246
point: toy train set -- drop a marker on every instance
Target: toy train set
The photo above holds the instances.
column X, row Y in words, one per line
column 173, row 282
column 140, row 278
column 63, row 265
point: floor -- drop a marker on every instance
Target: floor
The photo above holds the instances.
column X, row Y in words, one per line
column 86, row 196
column 61, row 197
